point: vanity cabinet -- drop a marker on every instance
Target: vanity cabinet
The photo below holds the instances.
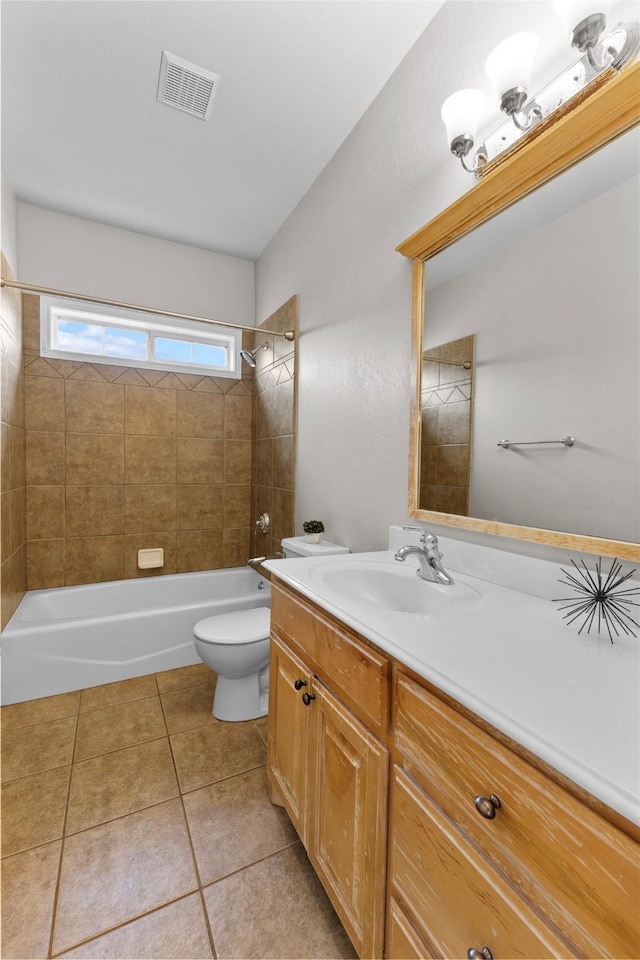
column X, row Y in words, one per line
column 326, row 767
column 465, row 847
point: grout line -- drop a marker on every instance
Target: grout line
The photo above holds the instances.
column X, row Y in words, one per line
column 253, row 863
column 56, row 896
column 214, row 953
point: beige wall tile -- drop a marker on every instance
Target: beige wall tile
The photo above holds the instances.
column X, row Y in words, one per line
column 45, row 564
column 5, row 525
column 452, row 500
column 93, row 560
column 150, row 460
column 282, row 514
column 149, row 508
column 283, row 467
column 430, row 424
column 283, row 409
column 17, row 446
column 45, row 513
column 5, row 458
column 146, row 541
column 150, row 411
column 200, row 460
column 31, row 322
column 237, row 461
column 199, row 506
column 200, row 414
column 44, row 404
column 453, row 422
column 94, row 510
column 44, row 458
column 428, row 464
column 264, row 462
column 236, row 547
column 94, row 407
column 18, row 509
column 94, row 459
column 238, row 412
column 453, row 465
column 237, row 504
column 199, row 550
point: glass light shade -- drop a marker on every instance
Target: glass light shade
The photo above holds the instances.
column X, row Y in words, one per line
column 461, row 113
column 510, row 64
column 574, row 12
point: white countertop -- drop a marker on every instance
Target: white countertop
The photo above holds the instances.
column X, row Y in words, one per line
column 573, row 701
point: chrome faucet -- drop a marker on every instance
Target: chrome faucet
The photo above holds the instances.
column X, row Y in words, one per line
column 429, row 556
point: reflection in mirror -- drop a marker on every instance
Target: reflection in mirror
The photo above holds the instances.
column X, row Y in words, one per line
column 447, row 382
column 549, row 290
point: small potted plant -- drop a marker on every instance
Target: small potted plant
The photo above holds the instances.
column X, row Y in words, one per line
column 313, row 530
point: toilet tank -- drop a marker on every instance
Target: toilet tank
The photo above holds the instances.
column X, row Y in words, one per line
column 298, row 547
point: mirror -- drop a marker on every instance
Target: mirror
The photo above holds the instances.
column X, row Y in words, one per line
column 526, row 419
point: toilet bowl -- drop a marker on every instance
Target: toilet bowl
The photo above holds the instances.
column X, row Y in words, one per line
column 236, row 647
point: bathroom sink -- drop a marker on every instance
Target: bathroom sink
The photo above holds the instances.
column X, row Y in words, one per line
column 390, row 586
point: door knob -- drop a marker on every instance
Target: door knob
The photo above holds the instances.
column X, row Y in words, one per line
column 487, row 806
column 299, row 684
column 484, row 954
column 307, row 698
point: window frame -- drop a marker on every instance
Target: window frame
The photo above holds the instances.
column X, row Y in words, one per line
column 53, row 309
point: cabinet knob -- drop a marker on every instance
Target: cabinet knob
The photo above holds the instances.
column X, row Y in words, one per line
column 307, row 698
column 484, row 954
column 487, row 806
column 299, row 684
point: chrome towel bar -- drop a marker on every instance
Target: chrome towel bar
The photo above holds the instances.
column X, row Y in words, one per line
column 568, row 442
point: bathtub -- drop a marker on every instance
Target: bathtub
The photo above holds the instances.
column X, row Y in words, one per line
column 74, row 637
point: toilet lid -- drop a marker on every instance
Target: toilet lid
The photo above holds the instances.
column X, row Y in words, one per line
column 241, row 626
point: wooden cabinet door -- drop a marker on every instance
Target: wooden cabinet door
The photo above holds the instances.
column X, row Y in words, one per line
column 347, row 818
column 288, row 763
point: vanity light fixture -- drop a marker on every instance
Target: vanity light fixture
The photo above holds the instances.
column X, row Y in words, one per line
column 509, row 67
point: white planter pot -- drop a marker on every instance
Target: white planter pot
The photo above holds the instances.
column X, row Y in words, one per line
column 313, row 537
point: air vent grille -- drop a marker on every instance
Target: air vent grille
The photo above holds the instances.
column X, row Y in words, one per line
column 186, row 87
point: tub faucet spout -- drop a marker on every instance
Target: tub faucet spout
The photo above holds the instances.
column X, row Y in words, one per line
column 430, row 559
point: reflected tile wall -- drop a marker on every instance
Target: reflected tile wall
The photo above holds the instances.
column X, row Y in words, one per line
column 274, row 433
column 445, row 451
column 12, row 454
column 120, row 459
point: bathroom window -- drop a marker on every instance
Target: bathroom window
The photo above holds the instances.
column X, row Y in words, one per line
column 70, row 330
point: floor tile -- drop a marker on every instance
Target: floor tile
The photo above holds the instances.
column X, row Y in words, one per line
column 190, row 707
column 44, row 710
column 124, row 691
column 28, row 891
column 233, row 824
column 123, row 725
column 120, row 870
column 190, row 676
column 176, row 932
column 35, row 748
column 291, row 916
column 33, row 810
column 262, row 726
column 116, row 784
column 216, row 751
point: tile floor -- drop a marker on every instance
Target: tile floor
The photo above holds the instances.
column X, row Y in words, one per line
column 135, row 825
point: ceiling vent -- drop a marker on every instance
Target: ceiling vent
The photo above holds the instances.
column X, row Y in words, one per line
column 186, row 87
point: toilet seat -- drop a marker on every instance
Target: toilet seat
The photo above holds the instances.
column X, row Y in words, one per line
column 241, row 626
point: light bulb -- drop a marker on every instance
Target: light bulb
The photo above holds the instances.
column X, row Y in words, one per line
column 509, row 65
column 461, row 114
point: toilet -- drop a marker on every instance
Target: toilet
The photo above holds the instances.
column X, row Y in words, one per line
column 236, row 647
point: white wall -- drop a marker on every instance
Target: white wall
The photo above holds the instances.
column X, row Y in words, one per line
column 80, row 256
column 336, row 250
column 9, row 223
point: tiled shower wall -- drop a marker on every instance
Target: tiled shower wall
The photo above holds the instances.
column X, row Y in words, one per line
column 12, row 460
column 274, row 432
column 119, row 459
column 445, row 454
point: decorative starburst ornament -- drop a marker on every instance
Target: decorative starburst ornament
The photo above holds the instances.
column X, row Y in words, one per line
column 600, row 596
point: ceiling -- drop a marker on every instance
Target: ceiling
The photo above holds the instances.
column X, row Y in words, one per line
column 83, row 133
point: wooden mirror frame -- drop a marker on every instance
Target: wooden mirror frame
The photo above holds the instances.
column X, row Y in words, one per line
column 609, row 111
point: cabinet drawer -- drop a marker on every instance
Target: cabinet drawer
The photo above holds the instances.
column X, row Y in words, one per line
column 461, row 901
column 356, row 673
column 579, row 869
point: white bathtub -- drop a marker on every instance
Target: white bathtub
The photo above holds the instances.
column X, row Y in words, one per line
column 74, row 637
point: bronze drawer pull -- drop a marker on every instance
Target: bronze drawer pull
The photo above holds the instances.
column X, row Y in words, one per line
column 484, row 954
column 307, row 698
column 299, row 684
column 487, row 806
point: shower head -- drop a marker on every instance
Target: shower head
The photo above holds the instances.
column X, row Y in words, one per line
column 249, row 356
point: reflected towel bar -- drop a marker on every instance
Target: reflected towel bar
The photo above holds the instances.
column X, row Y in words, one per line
column 568, row 442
